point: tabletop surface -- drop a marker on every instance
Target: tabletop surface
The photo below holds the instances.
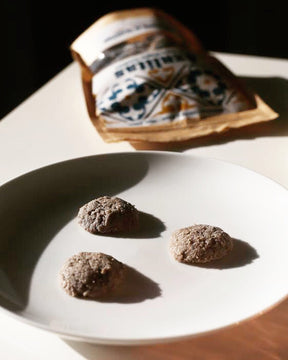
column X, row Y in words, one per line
column 53, row 125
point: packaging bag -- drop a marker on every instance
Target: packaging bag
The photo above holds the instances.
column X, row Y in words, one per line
column 146, row 77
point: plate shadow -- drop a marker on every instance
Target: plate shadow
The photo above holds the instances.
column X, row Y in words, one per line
column 91, row 351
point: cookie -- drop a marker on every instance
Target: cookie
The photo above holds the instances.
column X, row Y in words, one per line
column 200, row 244
column 108, row 215
column 91, row 275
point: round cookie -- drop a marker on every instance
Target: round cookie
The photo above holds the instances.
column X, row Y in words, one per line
column 200, row 244
column 108, row 215
column 91, row 275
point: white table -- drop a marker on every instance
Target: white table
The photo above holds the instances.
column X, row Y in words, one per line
column 53, row 125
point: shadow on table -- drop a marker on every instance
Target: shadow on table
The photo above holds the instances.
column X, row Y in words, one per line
column 105, row 352
column 35, row 206
column 273, row 90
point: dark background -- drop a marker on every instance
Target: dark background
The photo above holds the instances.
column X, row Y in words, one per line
column 35, row 35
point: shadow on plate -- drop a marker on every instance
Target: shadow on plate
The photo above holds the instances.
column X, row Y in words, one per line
column 35, row 206
column 242, row 254
column 149, row 227
column 136, row 287
column 273, row 90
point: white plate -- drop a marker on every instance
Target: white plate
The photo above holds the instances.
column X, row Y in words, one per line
column 165, row 300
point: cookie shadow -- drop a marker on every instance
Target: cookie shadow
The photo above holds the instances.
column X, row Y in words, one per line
column 149, row 227
column 136, row 287
column 242, row 254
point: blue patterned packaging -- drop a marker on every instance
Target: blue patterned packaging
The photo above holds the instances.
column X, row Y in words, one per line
column 146, row 77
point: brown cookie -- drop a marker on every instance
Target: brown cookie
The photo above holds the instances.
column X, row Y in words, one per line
column 200, row 244
column 108, row 215
column 91, row 275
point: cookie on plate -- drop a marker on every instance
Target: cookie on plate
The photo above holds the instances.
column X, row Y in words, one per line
column 108, row 215
column 200, row 244
column 91, row 275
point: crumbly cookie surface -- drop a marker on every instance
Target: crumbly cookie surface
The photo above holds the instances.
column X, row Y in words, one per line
column 108, row 215
column 200, row 244
column 91, row 275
